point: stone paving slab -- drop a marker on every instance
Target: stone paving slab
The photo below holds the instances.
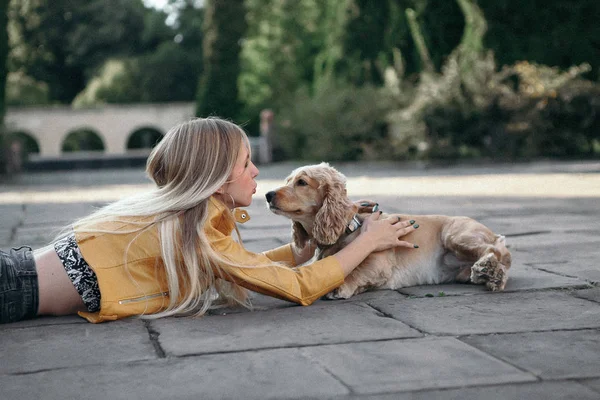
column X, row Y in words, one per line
column 270, row 374
column 590, row 294
column 491, row 313
column 259, row 246
column 486, row 207
column 412, row 364
column 297, row 326
column 577, row 259
column 533, row 222
column 12, row 214
column 333, row 349
column 283, row 234
column 521, row 277
column 522, row 391
column 561, row 239
column 593, row 383
column 41, row 322
column 548, row 355
column 56, row 214
column 67, row 346
column 28, row 234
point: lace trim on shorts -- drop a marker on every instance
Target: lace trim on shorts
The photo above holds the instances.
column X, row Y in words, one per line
column 83, row 277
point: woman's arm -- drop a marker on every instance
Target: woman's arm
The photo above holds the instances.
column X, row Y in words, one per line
column 304, row 285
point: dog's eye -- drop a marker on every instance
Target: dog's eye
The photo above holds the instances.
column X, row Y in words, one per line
column 301, row 182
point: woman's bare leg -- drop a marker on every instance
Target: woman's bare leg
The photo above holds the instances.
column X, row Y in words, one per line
column 57, row 295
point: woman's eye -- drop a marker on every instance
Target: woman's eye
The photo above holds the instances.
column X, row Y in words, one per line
column 301, row 182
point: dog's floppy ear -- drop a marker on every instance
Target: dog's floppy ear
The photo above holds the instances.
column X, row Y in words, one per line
column 331, row 219
column 299, row 235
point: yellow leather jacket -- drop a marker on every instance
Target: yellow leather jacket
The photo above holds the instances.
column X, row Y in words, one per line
column 132, row 279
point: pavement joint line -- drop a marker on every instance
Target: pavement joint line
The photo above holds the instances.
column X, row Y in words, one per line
column 503, row 360
column 461, row 337
column 328, row 371
column 490, row 293
column 533, row 265
column 124, row 362
column 425, row 334
column 531, row 233
column 153, row 335
column 41, row 371
column 300, row 346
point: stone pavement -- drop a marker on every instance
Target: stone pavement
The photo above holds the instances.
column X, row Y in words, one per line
column 540, row 339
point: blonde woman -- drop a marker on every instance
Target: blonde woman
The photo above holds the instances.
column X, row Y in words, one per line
column 170, row 251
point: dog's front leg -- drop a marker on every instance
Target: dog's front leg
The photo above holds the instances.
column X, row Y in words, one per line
column 372, row 273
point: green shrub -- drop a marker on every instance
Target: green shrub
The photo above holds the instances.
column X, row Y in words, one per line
column 339, row 123
column 529, row 111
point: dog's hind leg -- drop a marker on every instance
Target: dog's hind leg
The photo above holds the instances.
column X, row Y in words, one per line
column 472, row 241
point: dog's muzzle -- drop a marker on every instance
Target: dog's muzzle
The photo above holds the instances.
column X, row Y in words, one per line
column 270, row 196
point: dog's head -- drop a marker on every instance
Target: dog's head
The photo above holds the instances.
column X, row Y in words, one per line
column 315, row 197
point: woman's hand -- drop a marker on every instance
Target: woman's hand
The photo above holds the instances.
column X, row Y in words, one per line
column 366, row 206
column 385, row 233
column 376, row 234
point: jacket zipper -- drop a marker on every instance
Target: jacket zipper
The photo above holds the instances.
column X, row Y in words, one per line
column 142, row 298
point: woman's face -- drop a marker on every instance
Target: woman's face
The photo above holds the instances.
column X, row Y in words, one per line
column 241, row 185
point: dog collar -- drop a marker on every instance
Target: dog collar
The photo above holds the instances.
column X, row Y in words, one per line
column 353, row 225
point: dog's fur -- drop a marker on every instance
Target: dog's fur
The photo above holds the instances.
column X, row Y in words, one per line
column 451, row 249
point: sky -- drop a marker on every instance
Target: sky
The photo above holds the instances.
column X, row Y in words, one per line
column 155, row 3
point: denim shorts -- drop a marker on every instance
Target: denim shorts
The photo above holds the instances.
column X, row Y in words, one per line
column 18, row 285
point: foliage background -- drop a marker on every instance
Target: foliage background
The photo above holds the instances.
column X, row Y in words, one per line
column 347, row 79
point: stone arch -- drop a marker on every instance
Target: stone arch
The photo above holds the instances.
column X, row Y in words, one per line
column 26, row 141
column 145, row 137
column 82, row 139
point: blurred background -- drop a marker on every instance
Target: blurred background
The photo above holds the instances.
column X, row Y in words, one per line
column 88, row 83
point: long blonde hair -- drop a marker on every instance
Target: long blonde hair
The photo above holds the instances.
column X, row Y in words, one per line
column 191, row 162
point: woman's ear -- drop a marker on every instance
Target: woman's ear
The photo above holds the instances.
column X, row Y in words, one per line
column 299, row 235
column 332, row 217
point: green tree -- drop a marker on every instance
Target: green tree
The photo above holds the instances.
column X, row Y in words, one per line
column 62, row 42
column 167, row 71
column 224, row 28
column 278, row 52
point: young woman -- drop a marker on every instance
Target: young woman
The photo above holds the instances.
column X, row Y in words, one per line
column 170, row 251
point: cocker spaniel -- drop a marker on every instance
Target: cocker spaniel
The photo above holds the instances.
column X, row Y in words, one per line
column 451, row 249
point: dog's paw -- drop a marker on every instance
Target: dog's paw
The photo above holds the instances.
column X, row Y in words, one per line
column 490, row 272
column 340, row 293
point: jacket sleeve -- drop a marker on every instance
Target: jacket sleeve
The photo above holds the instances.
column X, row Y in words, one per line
column 282, row 254
column 302, row 285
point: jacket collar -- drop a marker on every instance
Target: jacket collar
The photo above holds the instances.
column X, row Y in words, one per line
column 220, row 217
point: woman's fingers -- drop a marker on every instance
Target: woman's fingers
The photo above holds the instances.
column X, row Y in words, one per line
column 366, row 206
column 404, row 228
column 402, row 243
column 375, row 216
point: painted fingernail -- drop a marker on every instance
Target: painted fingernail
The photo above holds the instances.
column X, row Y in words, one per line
column 416, row 246
column 364, row 204
column 398, row 218
column 380, row 212
column 412, row 221
column 415, row 226
column 376, row 207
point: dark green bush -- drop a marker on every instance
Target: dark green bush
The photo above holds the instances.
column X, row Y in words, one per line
column 533, row 111
column 339, row 123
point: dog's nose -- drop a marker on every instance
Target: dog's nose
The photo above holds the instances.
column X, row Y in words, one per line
column 270, row 195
